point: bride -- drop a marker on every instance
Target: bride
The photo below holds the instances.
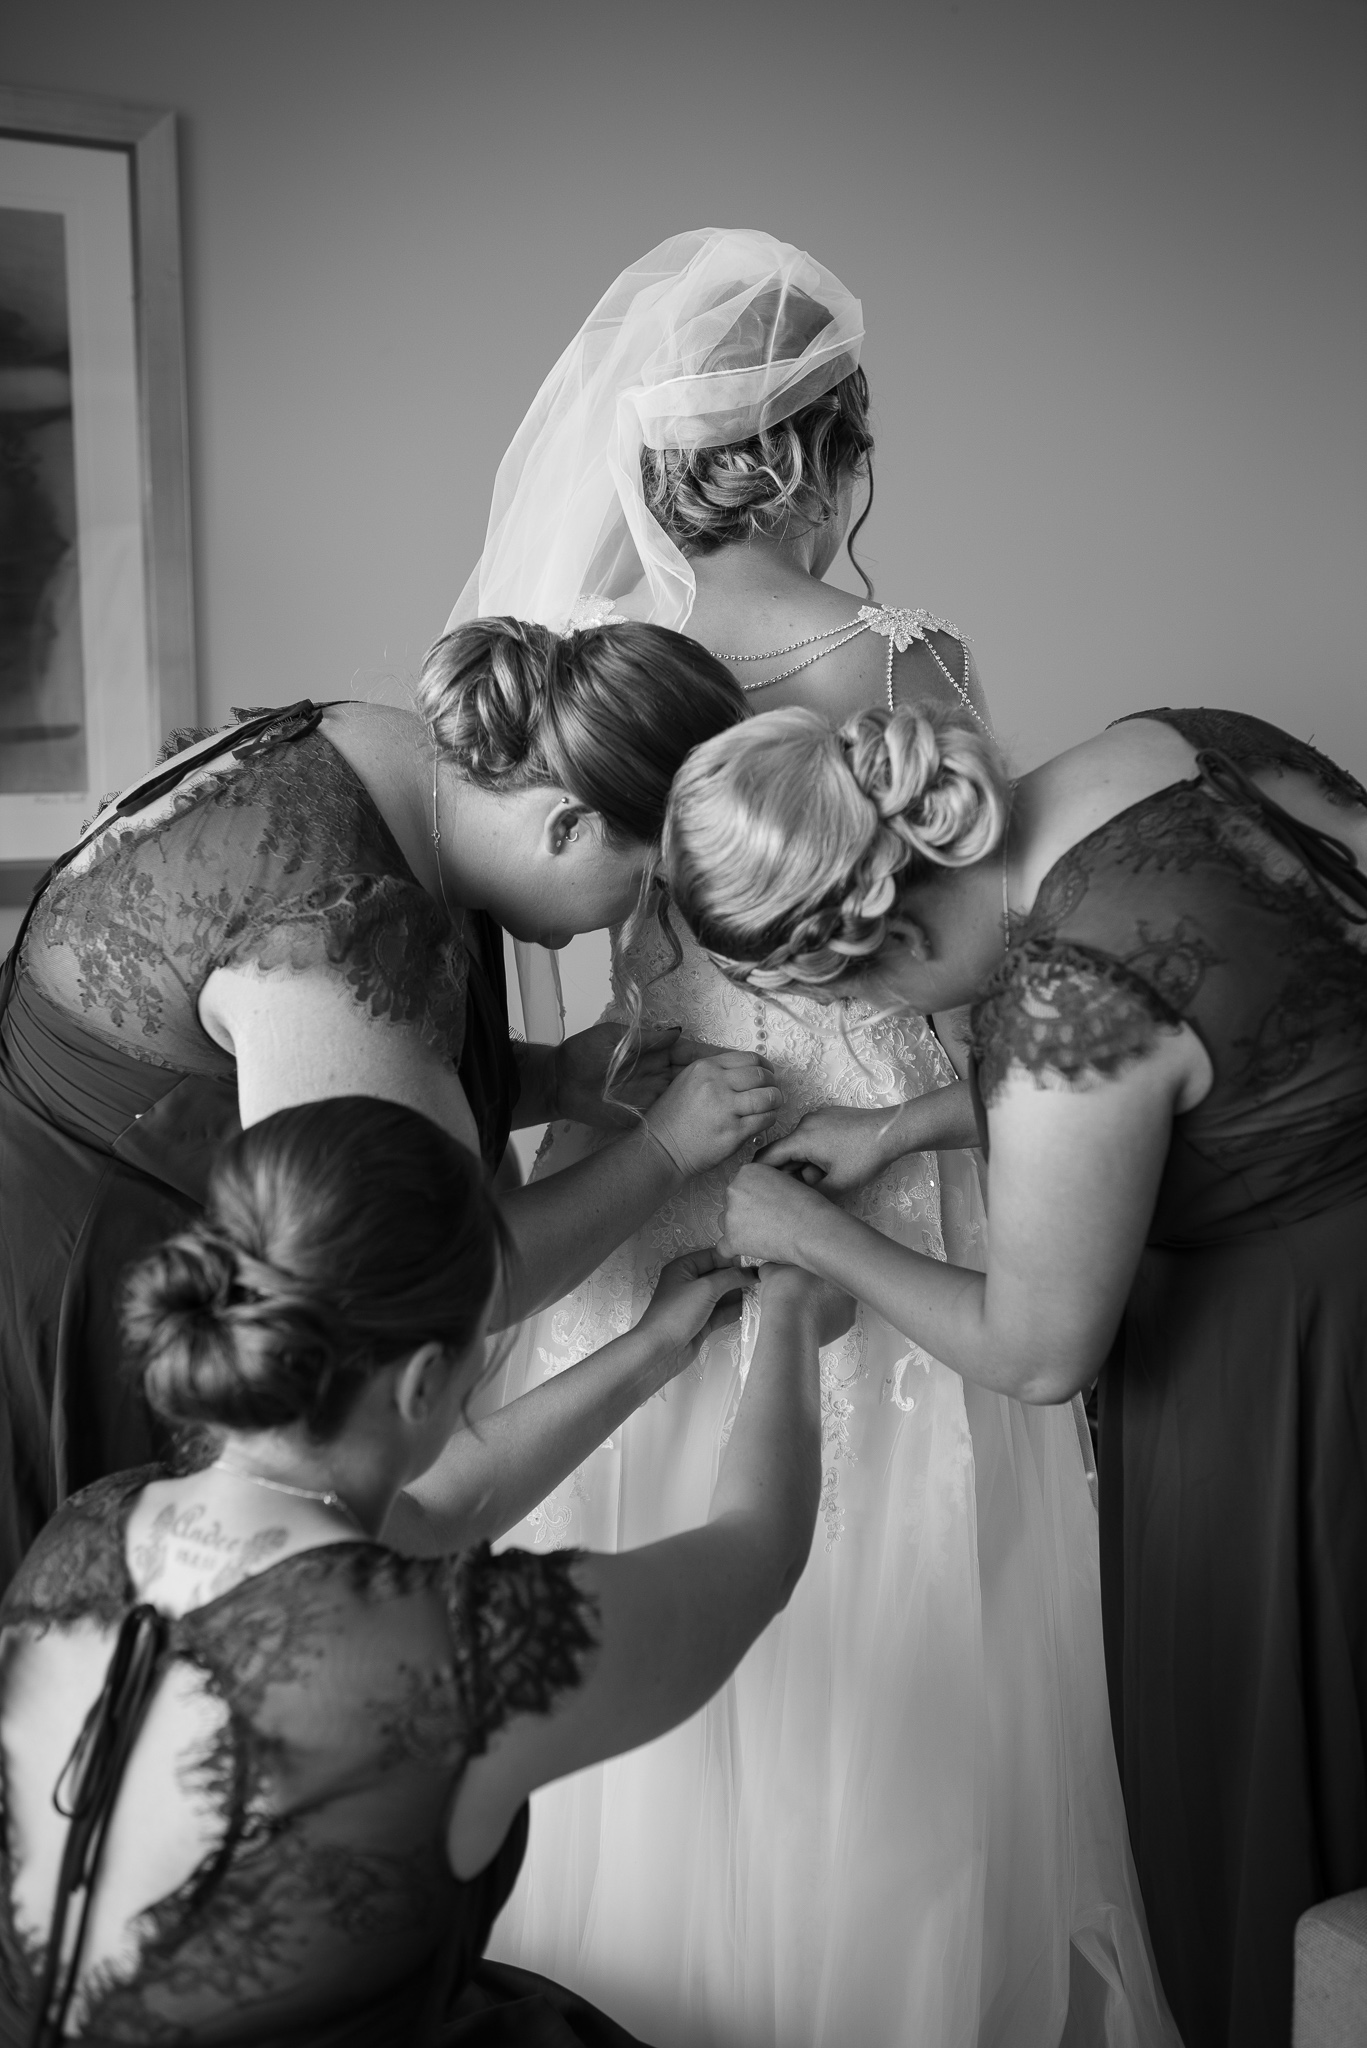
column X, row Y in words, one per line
column 900, row 1823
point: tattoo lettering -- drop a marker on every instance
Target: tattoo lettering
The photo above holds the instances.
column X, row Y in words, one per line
column 210, row 1558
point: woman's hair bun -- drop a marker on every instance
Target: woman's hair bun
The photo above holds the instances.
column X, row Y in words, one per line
column 337, row 1237
column 224, row 1338
column 786, row 478
column 484, row 697
column 607, row 714
column 788, row 847
column 932, row 778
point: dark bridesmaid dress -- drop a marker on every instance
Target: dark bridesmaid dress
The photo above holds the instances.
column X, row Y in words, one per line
column 113, row 1098
column 1234, row 1404
column 350, row 1686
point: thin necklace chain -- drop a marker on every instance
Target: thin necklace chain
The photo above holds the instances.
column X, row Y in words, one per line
column 1006, row 900
column 436, row 839
column 328, row 1498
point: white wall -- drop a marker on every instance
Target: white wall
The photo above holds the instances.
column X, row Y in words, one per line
column 1110, row 257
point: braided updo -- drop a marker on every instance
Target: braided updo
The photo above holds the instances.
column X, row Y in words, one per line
column 337, row 1237
column 788, row 846
column 607, row 714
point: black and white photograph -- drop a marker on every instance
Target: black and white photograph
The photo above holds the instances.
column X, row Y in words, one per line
column 683, row 1024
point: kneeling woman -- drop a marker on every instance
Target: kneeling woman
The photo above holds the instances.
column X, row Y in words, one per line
column 273, row 1772
column 1164, row 933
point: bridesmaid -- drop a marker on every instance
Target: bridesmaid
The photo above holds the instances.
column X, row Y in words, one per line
column 293, row 909
column 265, row 1780
column 1164, row 933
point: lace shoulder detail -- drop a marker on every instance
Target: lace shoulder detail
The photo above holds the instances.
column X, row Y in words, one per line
column 592, row 611
column 1064, row 1013
column 521, row 1630
column 1252, row 743
column 277, row 857
column 76, row 1565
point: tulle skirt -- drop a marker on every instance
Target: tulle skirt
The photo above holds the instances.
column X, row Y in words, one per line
column 900, row 1822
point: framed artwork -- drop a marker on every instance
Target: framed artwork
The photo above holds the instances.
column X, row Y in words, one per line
column 96, row 611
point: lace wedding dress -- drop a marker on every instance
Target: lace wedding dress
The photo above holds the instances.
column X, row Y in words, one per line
column 889, row 1825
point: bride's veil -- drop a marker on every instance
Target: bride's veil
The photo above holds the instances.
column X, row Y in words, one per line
column 710, row 338
column 713, row 336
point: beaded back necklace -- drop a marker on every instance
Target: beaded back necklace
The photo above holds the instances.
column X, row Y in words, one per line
column 898, row 626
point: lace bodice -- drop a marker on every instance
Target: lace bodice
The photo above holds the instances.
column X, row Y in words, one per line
column 854, row 1056
column 347, row 1688
column 277, row 858
column 1189, row 908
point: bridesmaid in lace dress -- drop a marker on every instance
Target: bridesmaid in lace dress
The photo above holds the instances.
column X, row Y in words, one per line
column 306, row 904
column 1172, row 1063
column 272, row 1773
column 900, row 1822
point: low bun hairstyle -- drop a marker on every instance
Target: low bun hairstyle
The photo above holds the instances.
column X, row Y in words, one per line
column 607, row 713
column 337, row 1237
column 786, row 478
column 788, row 847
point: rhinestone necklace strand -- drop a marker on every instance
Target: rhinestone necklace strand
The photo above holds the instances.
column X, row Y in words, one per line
column 900, row 629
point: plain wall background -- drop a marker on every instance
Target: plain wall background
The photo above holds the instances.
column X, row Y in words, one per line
column 1111, row 259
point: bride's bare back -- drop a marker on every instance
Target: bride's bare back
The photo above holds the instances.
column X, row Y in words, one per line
column 760, row 596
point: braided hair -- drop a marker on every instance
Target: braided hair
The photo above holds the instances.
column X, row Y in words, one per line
column 789, row 847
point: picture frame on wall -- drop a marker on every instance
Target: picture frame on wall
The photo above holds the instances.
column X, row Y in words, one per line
column 96, row 603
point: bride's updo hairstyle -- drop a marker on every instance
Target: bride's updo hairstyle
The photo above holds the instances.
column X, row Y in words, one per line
column 337, row 1238
column 788, row 846
column 785, row 478
column 607, row 713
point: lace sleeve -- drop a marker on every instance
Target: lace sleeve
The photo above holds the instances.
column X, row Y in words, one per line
column 521, row 1629
column 75, row 1566
column 1064, row 1013
column 1254, row 744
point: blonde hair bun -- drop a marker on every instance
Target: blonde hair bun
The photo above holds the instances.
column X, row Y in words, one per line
column 789, row 847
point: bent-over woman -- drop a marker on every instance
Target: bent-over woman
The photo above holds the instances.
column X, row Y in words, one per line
column 1165, row 931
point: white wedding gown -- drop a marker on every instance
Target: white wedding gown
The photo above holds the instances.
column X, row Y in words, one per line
column 885, row 1831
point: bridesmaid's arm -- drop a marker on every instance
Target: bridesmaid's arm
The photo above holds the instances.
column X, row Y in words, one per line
column 839, row 1149
column 304, row 1038
column 568, row 1080
column 676, row 1617
column 1072, row 1181
column 495, row 1470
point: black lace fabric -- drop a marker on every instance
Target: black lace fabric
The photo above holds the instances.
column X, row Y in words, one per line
column 353, row 1686
column 1067, row 1013
column 1185, row 908
column 278, row 861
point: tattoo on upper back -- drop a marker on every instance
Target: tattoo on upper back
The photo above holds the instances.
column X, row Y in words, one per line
column 209, row 1555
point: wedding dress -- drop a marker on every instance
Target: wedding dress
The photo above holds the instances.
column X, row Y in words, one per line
column 900, row 1823
column 889, row 1824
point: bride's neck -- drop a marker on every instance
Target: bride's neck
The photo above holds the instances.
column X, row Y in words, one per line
column 745, row 567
